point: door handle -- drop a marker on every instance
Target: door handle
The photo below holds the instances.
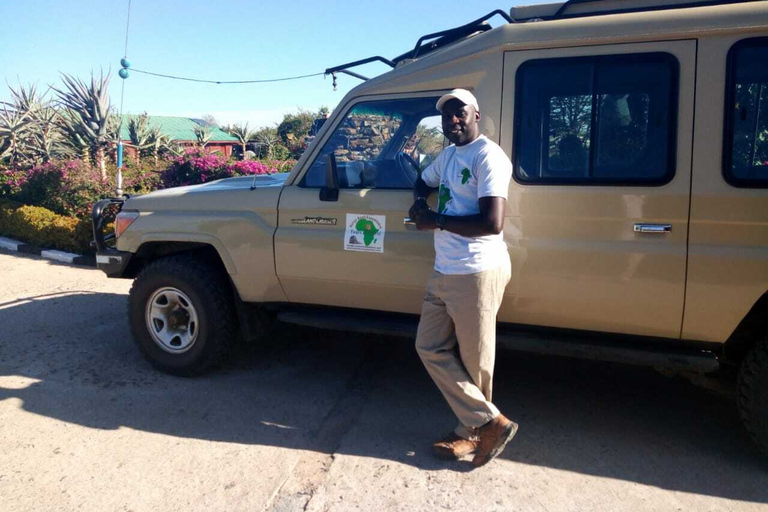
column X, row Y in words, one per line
column 409, row 224
column 653, row 228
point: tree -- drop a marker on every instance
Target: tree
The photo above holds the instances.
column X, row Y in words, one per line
column 210, row 119
column 268, row 142
column 243, row 134
column 85, row 119
column 427, row 143
column 750, row 132
column 295, row 127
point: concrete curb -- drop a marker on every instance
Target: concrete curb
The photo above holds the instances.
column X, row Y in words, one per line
column 60, row 256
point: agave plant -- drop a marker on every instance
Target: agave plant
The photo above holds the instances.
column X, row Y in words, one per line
column 242, row 133
column 87, row 110
column 140, row 134
column 203, row 134
column 15, row 127
column 114, row 126
column 45, row 140
column 160, row 143
column 75, row 144
column 25, row 127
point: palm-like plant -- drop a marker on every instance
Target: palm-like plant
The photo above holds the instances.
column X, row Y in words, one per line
column 243, row 135
column 87, row 110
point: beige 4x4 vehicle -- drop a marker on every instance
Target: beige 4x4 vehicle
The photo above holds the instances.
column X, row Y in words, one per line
column 637, row 219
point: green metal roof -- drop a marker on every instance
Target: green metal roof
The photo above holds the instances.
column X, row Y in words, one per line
column 180, row 128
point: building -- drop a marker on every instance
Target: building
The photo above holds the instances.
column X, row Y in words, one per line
column 182, row 131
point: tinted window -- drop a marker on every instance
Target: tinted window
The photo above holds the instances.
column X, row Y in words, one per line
column 746, row 149
column 381, row 144
column 596, row 120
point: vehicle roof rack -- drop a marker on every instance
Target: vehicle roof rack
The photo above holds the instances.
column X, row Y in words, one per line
column 557, row 11
column 423, row 47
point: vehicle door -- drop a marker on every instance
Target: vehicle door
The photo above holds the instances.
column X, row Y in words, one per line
column 349, row 246
column 598, row 209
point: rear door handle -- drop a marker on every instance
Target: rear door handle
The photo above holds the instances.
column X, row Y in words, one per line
column 409, row 224
column 653, row 228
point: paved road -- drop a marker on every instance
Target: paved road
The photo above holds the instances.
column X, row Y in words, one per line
column 318, row 421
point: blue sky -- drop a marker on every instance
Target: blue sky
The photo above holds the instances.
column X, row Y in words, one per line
column 222, row 40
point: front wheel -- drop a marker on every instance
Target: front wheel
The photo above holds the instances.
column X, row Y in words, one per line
column 182, row 315
column 753, row 393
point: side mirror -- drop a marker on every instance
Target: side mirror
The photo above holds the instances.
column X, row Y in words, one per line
column 330, row 192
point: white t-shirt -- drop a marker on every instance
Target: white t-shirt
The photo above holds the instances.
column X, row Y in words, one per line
column 464, row 175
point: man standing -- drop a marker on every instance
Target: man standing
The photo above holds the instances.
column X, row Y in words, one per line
column 456, row 338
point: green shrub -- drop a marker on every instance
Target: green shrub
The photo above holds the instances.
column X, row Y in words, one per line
column 280, row 152
column 42, row 228
column 7, row 207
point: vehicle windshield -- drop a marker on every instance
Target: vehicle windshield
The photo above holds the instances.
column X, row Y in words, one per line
column 381, row 144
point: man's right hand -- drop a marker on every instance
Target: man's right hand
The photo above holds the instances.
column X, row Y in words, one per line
column 423, row 215
column 417, row 206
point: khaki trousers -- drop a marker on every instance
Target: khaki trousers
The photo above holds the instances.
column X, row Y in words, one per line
column 456, row 341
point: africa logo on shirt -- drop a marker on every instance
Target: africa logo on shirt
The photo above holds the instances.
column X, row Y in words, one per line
column 465, row 175
column 443, row 198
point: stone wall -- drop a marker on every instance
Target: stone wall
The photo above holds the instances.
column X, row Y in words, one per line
column 362, row 137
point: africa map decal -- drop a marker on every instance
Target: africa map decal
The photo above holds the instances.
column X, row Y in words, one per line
column 365, row 233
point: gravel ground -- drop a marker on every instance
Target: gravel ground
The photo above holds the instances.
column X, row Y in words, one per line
column 316, row 420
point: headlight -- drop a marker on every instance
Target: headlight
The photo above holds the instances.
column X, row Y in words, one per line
column 123, row 220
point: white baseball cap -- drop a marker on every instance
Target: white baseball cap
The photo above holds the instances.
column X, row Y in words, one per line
column 462, row 95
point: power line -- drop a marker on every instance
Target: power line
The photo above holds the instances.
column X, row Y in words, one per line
column 226, row 82
column 187, row 79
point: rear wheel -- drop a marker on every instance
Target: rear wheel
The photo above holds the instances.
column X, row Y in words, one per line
column 753, row 393
column 182, row 314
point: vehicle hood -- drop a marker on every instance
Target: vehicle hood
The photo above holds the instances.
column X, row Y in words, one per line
column 220, row 195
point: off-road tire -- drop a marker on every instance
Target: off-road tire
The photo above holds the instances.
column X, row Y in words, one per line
column 753, row 394
column 208, row 288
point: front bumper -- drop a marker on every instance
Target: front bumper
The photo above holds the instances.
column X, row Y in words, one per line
column 111, row 261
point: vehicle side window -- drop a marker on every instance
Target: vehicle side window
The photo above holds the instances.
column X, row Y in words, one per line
column 746, row 117
column 600, row 120
column 381, row 144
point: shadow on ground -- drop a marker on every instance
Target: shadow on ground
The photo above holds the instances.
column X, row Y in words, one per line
column 70, row 358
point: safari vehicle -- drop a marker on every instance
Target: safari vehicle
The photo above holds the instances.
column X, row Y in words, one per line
column 637, row 218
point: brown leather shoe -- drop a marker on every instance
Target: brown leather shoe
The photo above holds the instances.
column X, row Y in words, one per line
column 494, row 436
column 453, row 447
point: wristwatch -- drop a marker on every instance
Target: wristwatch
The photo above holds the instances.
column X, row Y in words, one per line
column 440, row 222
